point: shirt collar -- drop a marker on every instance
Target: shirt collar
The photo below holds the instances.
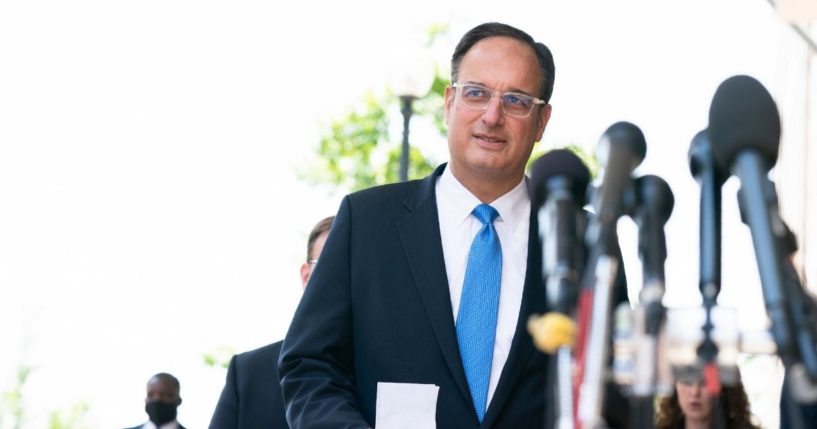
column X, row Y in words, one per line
column 169, row 425
column 513, row 207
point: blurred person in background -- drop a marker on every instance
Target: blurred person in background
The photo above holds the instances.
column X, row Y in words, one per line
column 161, row 402
column 691, row 406
column 251, row 397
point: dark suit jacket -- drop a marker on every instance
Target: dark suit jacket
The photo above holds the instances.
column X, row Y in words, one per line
column 251, row 397
column 377, row 308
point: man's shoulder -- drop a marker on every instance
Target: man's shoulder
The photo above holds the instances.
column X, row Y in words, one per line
column 262, row 355
column 399, row 192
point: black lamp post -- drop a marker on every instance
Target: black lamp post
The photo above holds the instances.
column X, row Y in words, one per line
column 411, row 80
column 406, row 102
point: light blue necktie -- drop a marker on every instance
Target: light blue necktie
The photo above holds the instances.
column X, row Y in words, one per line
column 479, row 304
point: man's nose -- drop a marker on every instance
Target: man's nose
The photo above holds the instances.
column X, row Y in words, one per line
column 493, row 113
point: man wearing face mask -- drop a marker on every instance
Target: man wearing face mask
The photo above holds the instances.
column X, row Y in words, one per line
column 161, row 402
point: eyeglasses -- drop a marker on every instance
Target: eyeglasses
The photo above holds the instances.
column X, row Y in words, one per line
column 514, row 104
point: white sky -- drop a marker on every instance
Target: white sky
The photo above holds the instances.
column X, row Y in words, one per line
column 150, row 210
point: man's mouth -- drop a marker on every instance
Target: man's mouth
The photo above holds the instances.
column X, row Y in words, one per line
column 489, row 139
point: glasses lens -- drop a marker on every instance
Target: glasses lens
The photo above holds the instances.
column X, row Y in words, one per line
column 516, row 104
column 513, row 103
column 475, row 96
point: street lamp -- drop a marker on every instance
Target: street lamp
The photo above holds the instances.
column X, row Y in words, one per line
column 415, row 78
column 406, row 101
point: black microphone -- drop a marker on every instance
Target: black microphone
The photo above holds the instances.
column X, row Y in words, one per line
column 710, row 178
column 654, row 207
column 559, row 179
column 744, row 126
column 620, row 150
column 651, row 375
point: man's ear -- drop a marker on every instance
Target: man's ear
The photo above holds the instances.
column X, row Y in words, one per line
column 449, row 100
column 542, row 120
column 306, row 271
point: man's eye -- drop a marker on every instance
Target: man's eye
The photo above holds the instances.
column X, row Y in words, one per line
column 475, row 92
column 516, row 99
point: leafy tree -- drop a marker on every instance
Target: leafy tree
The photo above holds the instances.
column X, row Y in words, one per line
column 219, row 358
column 14, row 404
column 71, row 419
column 14, row 414
column 357, row 151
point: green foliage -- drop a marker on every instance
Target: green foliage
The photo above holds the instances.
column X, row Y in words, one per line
column 219, row 358
column 357, row 151
column 14, row 414
column 347, row 150
column 14, row 405
column 72, row 419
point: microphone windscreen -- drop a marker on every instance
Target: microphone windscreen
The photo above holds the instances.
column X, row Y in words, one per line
column 559, row 162
column 625, row 138
column 655, row 195
column 742, row 116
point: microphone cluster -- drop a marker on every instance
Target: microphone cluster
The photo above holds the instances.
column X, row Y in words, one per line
column 581, row 260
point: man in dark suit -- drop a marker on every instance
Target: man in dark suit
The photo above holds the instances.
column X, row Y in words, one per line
column 161, row 402
column 251, row 397
column 432, row 281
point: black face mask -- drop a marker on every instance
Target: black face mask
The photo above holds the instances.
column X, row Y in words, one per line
column 160, row 412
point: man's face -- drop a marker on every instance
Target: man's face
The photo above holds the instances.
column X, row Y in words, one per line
column 489, row 144
column 162, row 389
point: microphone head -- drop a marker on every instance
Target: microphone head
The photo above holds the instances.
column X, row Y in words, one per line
column 743, row 116
column 700, row 153
column 654, row 195
column 559, row 162
column 623, row 137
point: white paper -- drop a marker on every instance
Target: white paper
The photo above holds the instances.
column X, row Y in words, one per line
column 406, row 406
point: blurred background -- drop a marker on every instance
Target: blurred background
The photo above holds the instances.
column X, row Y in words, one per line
column 162, row 162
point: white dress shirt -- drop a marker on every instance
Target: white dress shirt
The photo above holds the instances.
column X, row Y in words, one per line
column 458, row 229
column 169, row 425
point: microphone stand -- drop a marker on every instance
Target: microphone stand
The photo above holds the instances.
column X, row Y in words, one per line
column 654, row 206
column 758, row 208
column 703, row 168
column 594, row 317
column 561, row 267
column 621, row 149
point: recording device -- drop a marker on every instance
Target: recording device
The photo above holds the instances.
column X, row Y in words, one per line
column 621, row 148
column 744, row 126
column 560, row 181
column 710, row 177
column 654, row 207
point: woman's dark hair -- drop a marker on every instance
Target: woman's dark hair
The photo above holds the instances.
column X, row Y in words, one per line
column 732, row 406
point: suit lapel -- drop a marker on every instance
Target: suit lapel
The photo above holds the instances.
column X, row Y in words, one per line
column 533, row 301
column 420, row 236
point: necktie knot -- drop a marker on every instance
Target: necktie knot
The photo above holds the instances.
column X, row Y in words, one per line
column 485, row 213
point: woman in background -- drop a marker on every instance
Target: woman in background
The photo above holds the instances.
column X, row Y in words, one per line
column 692, row 407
